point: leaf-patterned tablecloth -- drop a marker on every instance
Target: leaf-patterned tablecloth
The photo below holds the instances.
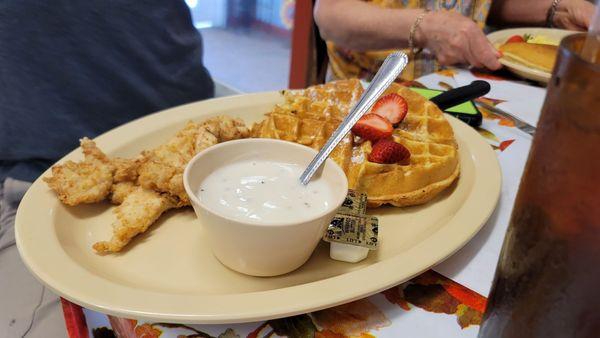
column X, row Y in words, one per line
column 444, row 302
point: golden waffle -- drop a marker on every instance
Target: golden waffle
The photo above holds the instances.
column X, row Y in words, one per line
column 538, row 56
column 310, row 116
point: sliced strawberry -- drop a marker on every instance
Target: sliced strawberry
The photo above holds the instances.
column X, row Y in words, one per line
column 391, row 106
column 515, row 38
column 387, row 151
column 373, row 127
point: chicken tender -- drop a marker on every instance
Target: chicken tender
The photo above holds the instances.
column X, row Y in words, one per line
column 140, row 208
column 220, row 129
column 88, row 181
column 126, row 170
column 144, row 187
column 162, row 167
column 120, row 190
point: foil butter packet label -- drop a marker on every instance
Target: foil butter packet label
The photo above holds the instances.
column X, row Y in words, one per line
column 354, row 204
column 358, row 230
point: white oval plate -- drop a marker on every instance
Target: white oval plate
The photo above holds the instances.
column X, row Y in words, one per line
column 169, row 273
column 499, row 37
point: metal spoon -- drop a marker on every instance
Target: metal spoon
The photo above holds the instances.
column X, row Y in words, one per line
column 387, row 73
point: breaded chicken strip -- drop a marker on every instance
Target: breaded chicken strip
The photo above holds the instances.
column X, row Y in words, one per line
column 139, row 209
column 88, row 181
column 120, row 190
column 219, row 129
column 162, row 167
column 126, row 170
column 144, row 187
column 92, row 179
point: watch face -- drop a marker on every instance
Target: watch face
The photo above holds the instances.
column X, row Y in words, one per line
column 448, row 4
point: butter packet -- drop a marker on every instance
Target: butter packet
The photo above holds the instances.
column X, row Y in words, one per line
column 354, row 204
column 352, row 233
column 355, row 230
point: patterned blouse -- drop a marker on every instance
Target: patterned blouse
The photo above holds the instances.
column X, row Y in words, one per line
column 345, row 63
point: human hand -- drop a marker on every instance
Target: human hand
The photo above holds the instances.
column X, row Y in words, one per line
column 574, row 14
column 455, row 39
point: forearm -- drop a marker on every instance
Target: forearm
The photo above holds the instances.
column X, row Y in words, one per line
column 361, row 26
column 519, row 12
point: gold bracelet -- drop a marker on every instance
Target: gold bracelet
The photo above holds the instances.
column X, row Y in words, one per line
column 412, row 32
column 551, row 12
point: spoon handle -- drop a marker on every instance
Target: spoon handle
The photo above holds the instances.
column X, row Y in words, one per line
column 387, row 73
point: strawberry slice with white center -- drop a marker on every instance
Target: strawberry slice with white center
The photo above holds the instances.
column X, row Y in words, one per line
column 393, row 107
column 373, row 127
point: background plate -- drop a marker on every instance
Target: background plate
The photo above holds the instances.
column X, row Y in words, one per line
column 169, row 273
column 499, row 37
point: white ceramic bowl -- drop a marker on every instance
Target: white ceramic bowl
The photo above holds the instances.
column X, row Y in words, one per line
column 261, row 249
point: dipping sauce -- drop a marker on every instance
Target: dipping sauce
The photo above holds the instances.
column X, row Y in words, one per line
column 264, row 191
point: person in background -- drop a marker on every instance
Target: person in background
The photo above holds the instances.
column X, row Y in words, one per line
column 434, row 33
column 74, row 68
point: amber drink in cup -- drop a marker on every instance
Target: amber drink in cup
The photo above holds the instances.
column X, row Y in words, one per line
column 547, row 281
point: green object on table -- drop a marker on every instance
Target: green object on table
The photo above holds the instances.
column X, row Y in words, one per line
column 463, row 108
